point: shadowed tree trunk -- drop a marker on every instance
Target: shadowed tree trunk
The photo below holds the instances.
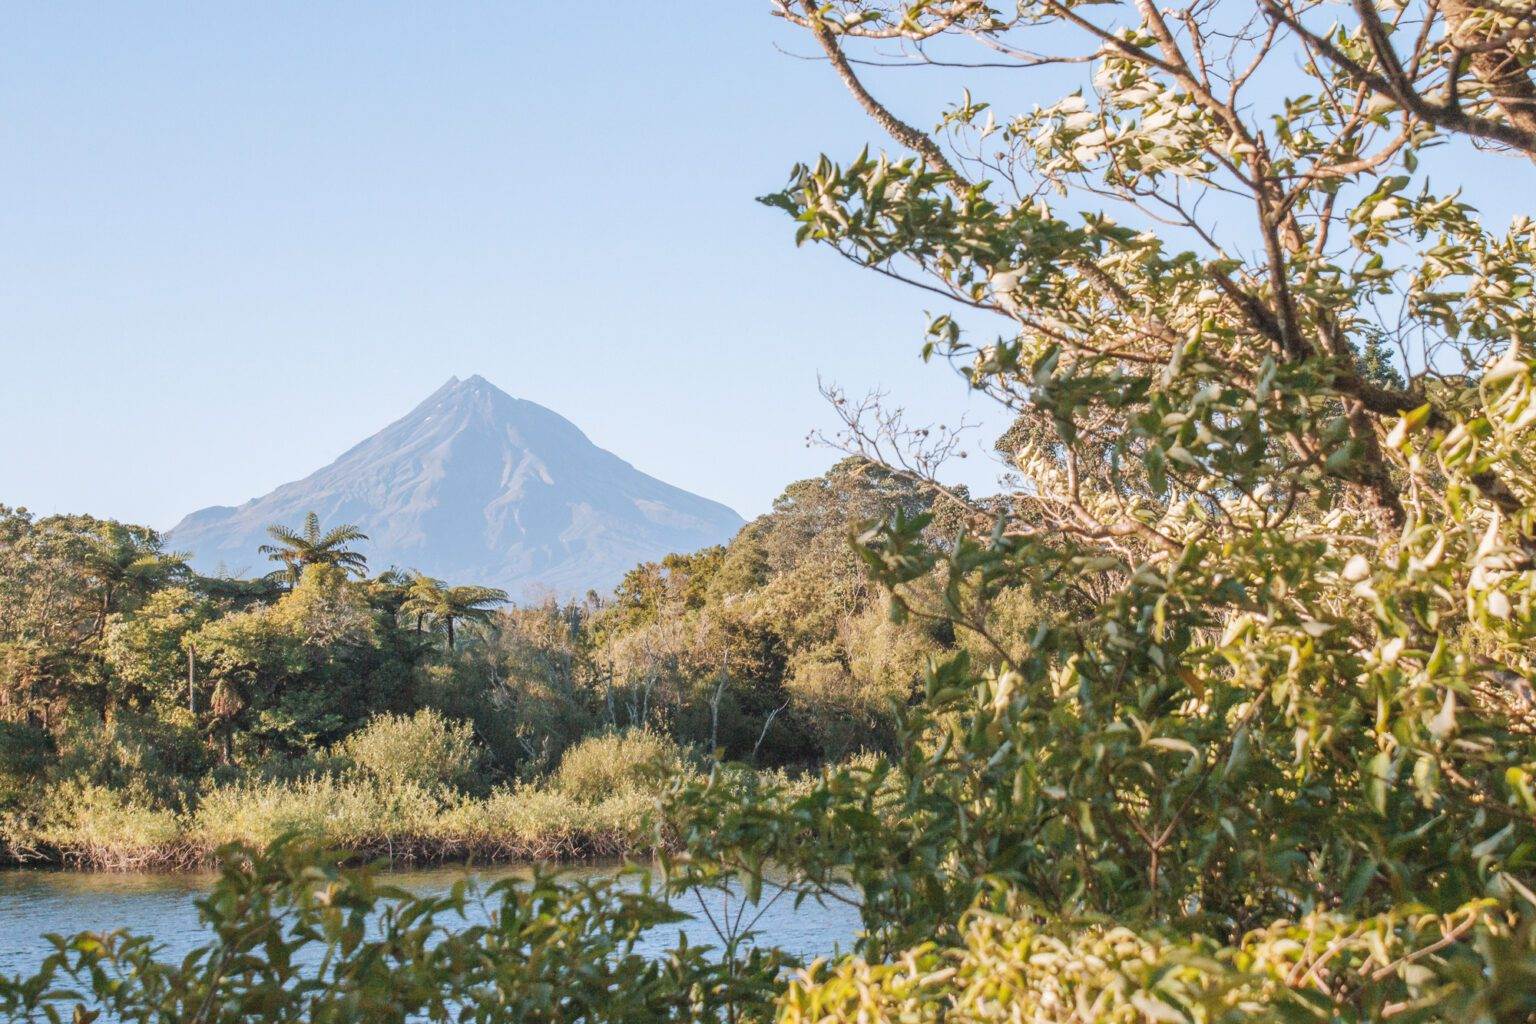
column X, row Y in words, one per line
column 1494, row 63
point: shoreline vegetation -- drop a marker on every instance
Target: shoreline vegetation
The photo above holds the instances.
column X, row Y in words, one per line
column 1222, row 710
column 598, row 805
column 150, row 715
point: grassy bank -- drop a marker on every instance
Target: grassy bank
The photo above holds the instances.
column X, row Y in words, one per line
column 387, row 801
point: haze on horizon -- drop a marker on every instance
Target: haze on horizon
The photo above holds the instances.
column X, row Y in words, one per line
column 240, row 241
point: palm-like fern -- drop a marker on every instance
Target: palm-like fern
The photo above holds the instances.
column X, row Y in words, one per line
column 297, row 549
column 125, row 562
column 431, row 599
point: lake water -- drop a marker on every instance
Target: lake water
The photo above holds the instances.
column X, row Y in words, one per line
column 33, row 903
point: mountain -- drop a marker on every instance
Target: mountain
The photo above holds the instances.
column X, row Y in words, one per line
column 475, row 486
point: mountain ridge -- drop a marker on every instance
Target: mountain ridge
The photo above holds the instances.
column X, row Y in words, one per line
column 477, row 486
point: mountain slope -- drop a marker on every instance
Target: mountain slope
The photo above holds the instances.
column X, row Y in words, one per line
column 475, row 486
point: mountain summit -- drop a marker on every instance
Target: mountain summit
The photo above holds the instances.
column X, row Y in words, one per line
column 475, row 486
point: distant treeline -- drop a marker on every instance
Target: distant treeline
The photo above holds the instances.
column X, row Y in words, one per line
column 148, row 713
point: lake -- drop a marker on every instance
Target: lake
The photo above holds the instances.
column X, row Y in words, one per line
column 33, row 903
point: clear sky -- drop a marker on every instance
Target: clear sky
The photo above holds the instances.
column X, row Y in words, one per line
column 238, row 238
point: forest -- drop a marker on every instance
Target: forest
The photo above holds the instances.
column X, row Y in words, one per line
column 1225, row 708
column 151, row 714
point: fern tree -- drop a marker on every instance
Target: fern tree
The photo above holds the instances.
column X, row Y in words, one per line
column 432, row 600
column 296, row 549
column 125, row 563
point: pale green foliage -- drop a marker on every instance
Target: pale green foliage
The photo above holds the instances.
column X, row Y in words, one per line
column 543, row 700
column 61, row 577
column 112, row 828
column 615, row 764
column 344, row 813
column 424, row 749
column 1009, row 968
column 1280, row 661
column 319, row 612
column 776, row 647
column 846, row 689
column 274, row 673
column 145, row 649
column 530, row 822
column 105, row 827
column 145, row 756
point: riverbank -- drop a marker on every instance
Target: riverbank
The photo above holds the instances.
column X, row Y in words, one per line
column 402, row 792
column 97, row 829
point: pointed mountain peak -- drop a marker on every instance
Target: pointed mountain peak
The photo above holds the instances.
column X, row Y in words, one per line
column 449, row 386
column 463, row 393
column 476, row 486
column 467, row 387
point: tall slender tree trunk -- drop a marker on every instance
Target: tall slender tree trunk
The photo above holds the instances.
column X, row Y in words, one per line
column 104, row 610
column 450, row 632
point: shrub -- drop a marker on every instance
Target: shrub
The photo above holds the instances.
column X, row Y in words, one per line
column 91, row 825
column 287, row 945
column 130, row 753
column 359, row 814
column 615, row 763
column 424, row 749
column 521, row 822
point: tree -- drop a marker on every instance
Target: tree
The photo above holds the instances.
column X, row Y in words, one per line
column 126, row 561
column 146, row 651
column 60, row 578
column 1265, row 751
column 297, row 549
column 1467, row 66
column 429, row 599
column 300, row 671
column 468, row 604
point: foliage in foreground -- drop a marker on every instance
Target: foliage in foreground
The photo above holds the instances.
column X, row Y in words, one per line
column 1268, row 749
column 295, row 938
column 1266, row 752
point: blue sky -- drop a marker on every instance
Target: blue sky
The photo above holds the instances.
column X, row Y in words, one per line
column 237, row 238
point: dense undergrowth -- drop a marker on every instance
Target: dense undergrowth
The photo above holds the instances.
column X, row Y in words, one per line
column 388, row 804
column 149, row 714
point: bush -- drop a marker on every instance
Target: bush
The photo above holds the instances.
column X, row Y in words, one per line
column 131, row 753
column 94, row 826
column 612, row 764
column 286, row 944
column 424, row 749
column 359, row 814
column 25, row 751
column 518, row 823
